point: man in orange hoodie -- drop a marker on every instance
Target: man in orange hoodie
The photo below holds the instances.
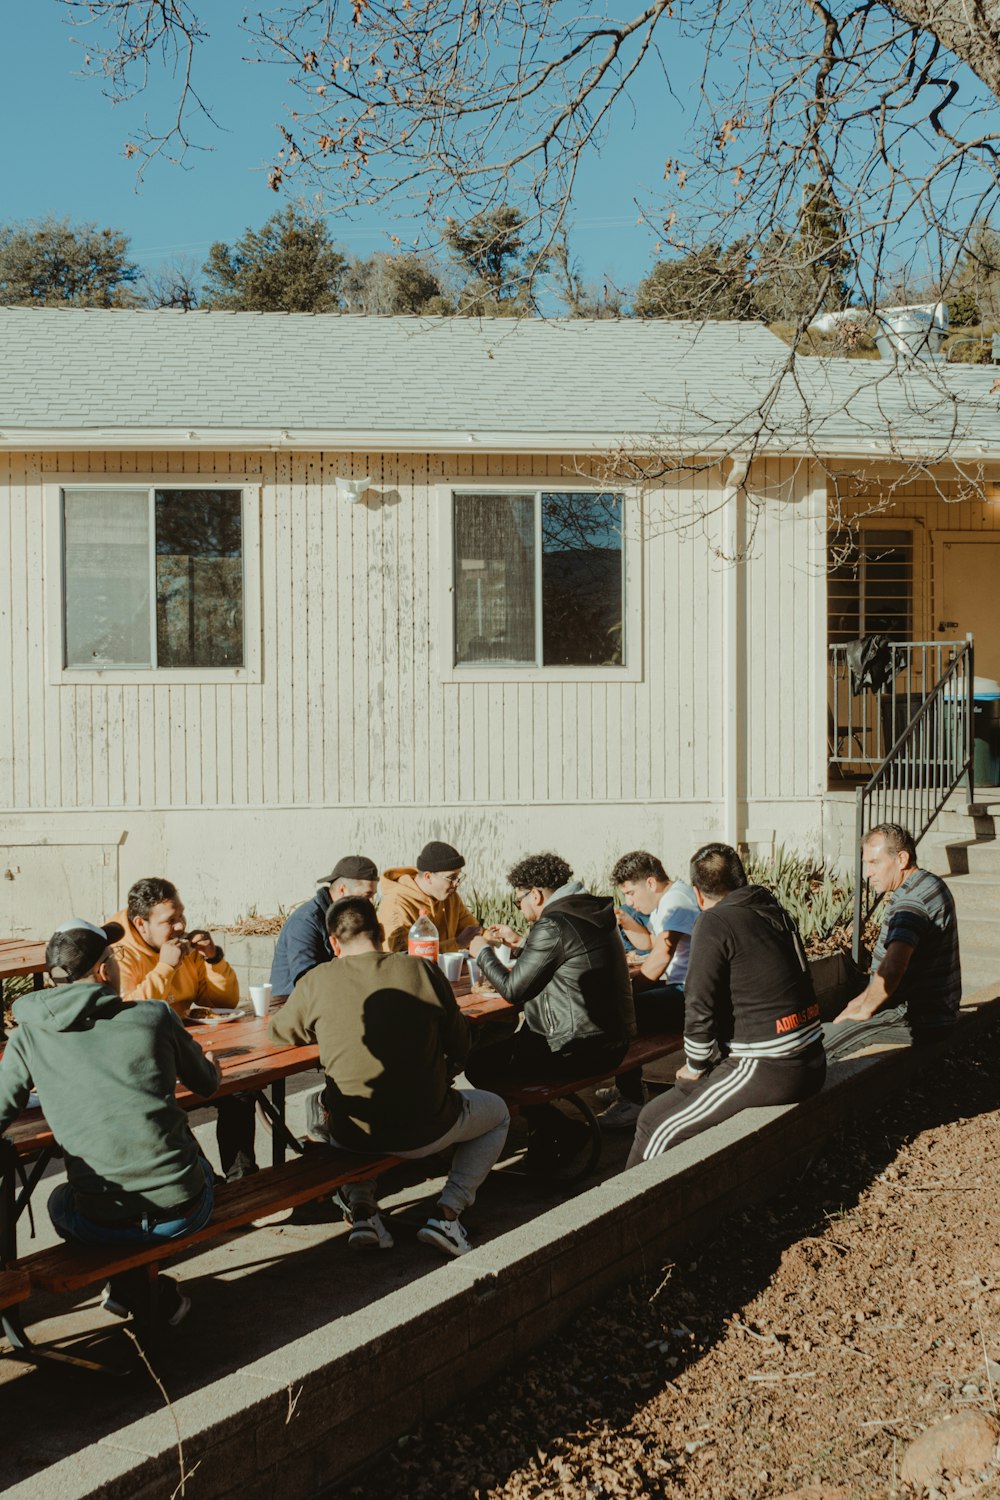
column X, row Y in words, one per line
column 158, row 959
column 431, row 887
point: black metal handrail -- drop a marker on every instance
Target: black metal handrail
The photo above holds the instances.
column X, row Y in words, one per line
column 919, row 773
column 864, row 725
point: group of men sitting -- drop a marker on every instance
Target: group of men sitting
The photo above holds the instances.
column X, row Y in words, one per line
column 714, row 955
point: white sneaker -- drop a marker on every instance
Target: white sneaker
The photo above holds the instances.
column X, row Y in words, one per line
column 607, row 1095
column 620, row 1116
column 369, row 1234
column 446, row 1235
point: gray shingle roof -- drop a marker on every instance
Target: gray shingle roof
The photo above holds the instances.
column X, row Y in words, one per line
column 712, row 384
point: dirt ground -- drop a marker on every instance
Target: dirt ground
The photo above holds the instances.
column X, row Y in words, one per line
column 804, row 1348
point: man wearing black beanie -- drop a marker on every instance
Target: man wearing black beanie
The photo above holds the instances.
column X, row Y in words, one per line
column 431, row 887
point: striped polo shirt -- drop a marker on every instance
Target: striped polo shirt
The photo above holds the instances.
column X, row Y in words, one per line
column 921, row 913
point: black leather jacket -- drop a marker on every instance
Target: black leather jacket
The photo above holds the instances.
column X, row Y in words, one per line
column 570, row 976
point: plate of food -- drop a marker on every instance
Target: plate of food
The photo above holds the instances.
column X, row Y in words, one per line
column 215, row 1015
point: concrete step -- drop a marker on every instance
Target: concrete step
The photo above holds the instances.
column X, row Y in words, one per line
column 978, row 970
column 960, row 822
column 975, row 895
column 979, row 936
column 974, row 857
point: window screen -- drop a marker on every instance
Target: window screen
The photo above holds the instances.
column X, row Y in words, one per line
column 107, row 578
column 539, row 579
column 153, row 579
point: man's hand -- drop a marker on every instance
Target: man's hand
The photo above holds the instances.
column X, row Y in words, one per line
column 210, row 1058
column 172, row 951
column 501, row 933
column 688, row 1075
column 627, row 922
column 861, row 1008
column 477, row 945
column 204, row 943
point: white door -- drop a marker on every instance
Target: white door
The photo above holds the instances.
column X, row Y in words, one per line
column 967, row 594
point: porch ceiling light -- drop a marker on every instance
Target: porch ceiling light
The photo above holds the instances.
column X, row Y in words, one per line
column 351, row 489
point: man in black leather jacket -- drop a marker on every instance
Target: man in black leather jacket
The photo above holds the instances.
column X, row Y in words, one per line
column 569, row 978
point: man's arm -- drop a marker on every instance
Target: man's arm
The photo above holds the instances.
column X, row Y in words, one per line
column 662, row 951
column 15, row 1083
column 537, row 962
column 881, row 985
column 637, row 933
column 396, row 923
column 291, row 1026
column 217, row 984
column 198, row 1072
column 705, row 991
column 156, row 983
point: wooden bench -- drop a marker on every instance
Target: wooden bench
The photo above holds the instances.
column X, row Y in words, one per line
column 72, row 1267
column 15, row 1287
column 539, row 1090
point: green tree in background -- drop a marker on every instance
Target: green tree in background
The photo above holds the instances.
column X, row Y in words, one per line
column 289, row 265
column 395, row 285
column 710, row 282
column 55, row 263
column 497, row 260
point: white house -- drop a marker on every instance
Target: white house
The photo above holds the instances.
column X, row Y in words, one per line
column 222, row 661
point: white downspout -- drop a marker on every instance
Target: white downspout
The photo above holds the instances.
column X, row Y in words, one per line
column 733, row 625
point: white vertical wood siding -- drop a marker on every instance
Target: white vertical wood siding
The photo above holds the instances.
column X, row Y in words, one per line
column 351, row 711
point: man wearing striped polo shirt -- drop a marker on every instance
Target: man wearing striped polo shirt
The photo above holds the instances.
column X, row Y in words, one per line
column 752, row 1033
column 915, row 981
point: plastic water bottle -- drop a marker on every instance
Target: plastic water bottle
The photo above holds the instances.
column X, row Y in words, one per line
column 423, row 939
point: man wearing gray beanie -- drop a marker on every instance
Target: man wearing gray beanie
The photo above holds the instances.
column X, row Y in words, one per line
column 431, row 887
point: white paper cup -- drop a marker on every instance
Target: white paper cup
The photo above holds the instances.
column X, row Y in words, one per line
column 505, row 955
column 260, row 999
column 473, row 971
column 451, row 964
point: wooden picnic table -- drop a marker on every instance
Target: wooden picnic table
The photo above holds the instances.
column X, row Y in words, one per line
column 18, row 957
column 249, row 1061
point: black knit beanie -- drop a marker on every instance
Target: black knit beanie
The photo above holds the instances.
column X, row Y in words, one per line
column 435, row 857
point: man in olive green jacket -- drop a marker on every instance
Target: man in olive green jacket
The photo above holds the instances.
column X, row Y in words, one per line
column 390, row 1038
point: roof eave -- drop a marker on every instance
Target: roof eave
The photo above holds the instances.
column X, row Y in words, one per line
column 205, row 439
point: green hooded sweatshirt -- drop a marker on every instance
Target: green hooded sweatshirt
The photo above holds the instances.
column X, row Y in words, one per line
column 105, row 1073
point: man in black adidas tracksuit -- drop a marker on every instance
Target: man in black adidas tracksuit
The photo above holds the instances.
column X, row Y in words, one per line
column 752, row 1032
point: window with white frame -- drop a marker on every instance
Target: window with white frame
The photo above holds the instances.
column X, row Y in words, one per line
column 539, row 578
column 153, row 577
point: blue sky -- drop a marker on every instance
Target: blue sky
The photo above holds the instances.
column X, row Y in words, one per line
column 68, row 158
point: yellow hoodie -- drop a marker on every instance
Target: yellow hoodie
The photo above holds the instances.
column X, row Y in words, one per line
column 401, row 905
column 144, row 977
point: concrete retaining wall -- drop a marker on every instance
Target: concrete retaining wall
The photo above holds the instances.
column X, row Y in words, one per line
column 304, row 1416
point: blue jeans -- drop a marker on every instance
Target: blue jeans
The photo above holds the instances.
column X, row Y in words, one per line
column 128, row 1286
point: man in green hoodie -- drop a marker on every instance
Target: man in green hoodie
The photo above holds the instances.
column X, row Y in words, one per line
column 106, row 1072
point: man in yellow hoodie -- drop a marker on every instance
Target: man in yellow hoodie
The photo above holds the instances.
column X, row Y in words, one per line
column 431, row 887
column 158, row 959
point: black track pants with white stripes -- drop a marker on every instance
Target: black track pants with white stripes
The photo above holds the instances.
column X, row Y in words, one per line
column 737, row 1083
